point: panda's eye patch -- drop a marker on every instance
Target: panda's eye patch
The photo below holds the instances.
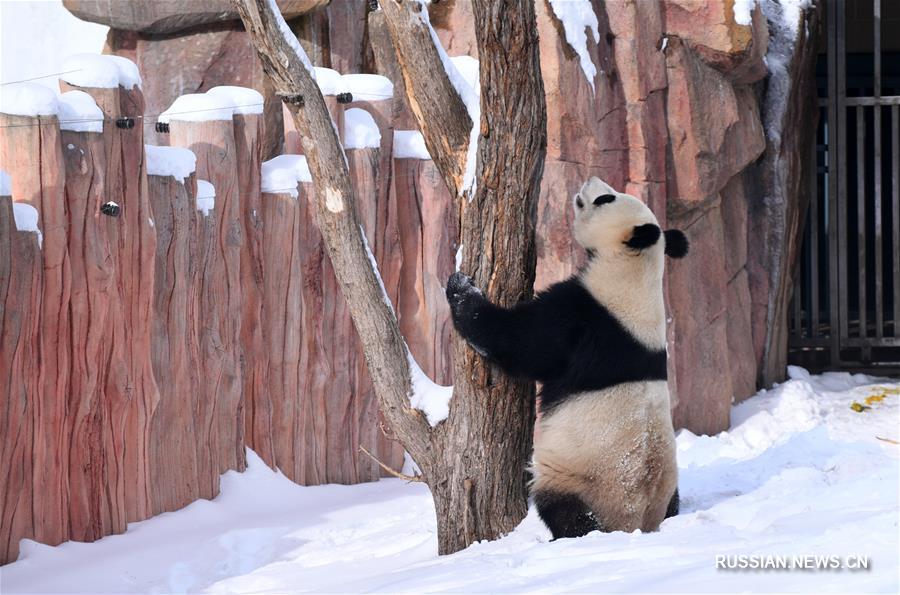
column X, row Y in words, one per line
column 604, row 199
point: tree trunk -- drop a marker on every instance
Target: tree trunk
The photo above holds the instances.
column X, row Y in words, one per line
column 474, row 462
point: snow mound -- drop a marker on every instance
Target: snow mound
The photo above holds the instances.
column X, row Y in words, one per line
column 429, row 397
column 28, row 99
column 5, row 184
column 199, row 107
column 360, row 130
column 101, row 71
column 410, row 144
column 170, row 161
column 577, row 17
column 206, row 197
column 245, row 100
column 26, row 217
column 78, row 112
column 330, row 81
column 282, row 174
column 368, row 87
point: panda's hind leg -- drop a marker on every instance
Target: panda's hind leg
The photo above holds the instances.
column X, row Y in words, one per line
column 566, row 515
column 674, row 505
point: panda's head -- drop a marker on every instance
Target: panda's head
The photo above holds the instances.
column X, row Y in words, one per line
column 611, row 224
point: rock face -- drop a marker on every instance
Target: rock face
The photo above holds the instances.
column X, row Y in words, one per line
column 171, row 16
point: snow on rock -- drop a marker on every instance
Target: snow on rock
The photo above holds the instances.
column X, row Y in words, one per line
column 177, row 162
column 282, row 174
column 199, row 107
column 206, row 197
column 78, row 112
column 577, row 17
column 28, row 99
column 244, row 99
column 5, row 184
column 330, row 81
column 743, row 10
column 784, row 27
column 410, row 144
column 360, row 130
column 368, row 87
column 291, row 39
column 821, row 484
column 26, row 217
column 101, row 71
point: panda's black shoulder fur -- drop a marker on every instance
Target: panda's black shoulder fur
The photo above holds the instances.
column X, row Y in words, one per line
column 563, row 338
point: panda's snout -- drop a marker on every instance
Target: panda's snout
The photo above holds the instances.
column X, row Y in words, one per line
column 578, row 202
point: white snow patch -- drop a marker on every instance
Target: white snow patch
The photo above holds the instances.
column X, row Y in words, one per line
column 245, row 100
column 199, row 107
column 577, row 16
column 291, row 39
column 471, row 98
column 26, row 217
column 206, row 197
column 5, row 184
column 410, row 144
column 101, row 71
column 177, row 162
column 330, row 81
column 743, row 10
column 368, row 87
column 36, row 38
column 360, row 130
column 78, row 112
column 28, row 99
column 821, row 484
column 282, row 174
column 427, row 396
column 459, row 257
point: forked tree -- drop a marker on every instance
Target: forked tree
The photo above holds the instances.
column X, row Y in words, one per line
column 474, row 461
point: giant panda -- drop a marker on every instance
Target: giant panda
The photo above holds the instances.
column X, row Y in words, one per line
column 604, row 452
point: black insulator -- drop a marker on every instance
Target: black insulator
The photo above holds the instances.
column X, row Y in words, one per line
column 344, row 97
column 162, row 127
column 125, row 123
column 110, row 209
column 293, row 99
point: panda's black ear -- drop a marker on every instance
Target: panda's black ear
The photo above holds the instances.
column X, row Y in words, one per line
column 676, row 243
column 644, row 236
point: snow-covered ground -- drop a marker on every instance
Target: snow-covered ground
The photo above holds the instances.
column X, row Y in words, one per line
column 800, row 473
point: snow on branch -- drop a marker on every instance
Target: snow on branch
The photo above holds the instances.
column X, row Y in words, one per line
column 427, row 396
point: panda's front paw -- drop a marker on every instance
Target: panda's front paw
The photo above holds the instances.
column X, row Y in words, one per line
column 458, row 286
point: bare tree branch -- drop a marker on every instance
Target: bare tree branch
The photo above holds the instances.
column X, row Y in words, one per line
column 438, row 108
column 335, row 205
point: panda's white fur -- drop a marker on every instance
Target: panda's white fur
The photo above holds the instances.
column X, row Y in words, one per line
column 604, row 453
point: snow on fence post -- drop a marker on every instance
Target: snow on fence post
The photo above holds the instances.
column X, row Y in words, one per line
column 35, row 505
column 96, row 381
column 332, row 85
column 175, row 347
column 429, row 247
column 115, row 85
column 204, row 123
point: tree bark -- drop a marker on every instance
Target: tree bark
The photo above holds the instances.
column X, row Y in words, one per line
column 439, row 110
column 474, row 462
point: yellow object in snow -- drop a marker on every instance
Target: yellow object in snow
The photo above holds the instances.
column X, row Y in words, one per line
column 859, row 408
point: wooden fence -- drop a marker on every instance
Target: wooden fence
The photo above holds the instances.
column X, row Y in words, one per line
column 141, row 353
